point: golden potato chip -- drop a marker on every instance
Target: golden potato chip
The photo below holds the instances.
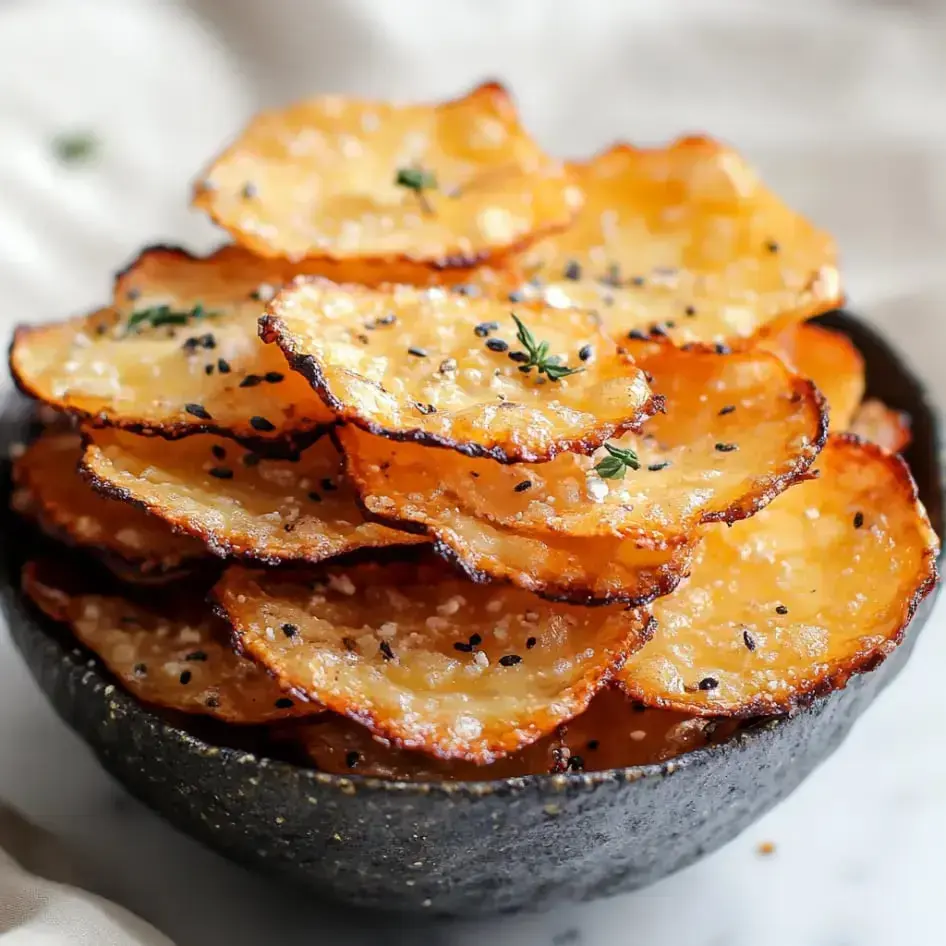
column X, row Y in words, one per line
column 341, row 746
column 50, row 490
column 788, row 605
column 178, row 658
column 452, row 184
column 686, row 240
column 425, row 659
column 737, row 430
column 581, row 570
column 611, row 733
column 828, row 358
column 448, row 370
column 177, row 354
column 882, row 425
column 237, row 502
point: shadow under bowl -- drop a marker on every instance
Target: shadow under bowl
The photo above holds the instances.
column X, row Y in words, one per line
column 462, row 848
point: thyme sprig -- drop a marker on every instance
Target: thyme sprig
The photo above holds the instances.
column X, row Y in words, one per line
column 617, row 463
column 164, row 315
column 539, row 357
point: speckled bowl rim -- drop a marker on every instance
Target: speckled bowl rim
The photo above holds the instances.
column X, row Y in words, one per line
column 15, row 606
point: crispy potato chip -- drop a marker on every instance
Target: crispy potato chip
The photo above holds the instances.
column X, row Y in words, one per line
column 341, row 746
column 684, row 238
column 737, row 430
column 447, row 370
column 788, row 605
column 179, row 658
column 178, row 354
column 428, row 660
column 882, row 425
column 828, row 358
column 236, row 502
column 451, row 184
column 50, row 490
column 612, row 733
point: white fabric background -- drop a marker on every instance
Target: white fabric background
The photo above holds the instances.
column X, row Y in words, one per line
column 842, row 103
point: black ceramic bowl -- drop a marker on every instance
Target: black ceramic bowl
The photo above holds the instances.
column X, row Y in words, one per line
column 464, row 848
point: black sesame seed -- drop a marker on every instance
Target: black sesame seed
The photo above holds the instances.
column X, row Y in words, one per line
column 315, row 497
column 530, row 643
column 585, row 352
column 637, row 335
column 727, row 447
column 284, row 703
column 141, row 670
column 781, row 609
column 475, row 640
column 261, row 423
column 273, row 377
column 722, row 349
column 185, row 677
column 447, row 365
column 518, row 356
column 208, row 369
column 290, row 630
column 772, row 246
column 484, row 328
column 463, row 647
column 708, row 683
column 250, row 381
column 657, row 467
column 658, row 330
column 223, row 366
column 497, row 344
column 207, row 341
column 250, row 190
column 221, row 472
column 198, row 410
column 523, row 486
column 728, row 409
column 858, row 520
column 593, row 744
column 352, row 759
column 388, row 319
column 417, row 352
column 572, row 270
column 386, row 651
column 525, row 369
column 198, row 655
column 510, row 660
column 690, row 311
column 212, row 702
column 218, row 452
column 748, row 640
column 517, row 296
column 251, row 459
column 328, row 485
column 637, row 280
column 425, row 408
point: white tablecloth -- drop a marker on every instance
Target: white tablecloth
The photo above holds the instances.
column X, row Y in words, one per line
column 842, row 103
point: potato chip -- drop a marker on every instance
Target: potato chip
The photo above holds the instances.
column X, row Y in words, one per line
column 686, row 240
column 237, row 502
column 341, row 746
column 788, row 605
column 737, row 430
column 611, row 733
column 448, row 370
column 451, row 184
column 882, row 425
column 178, row 658
column 425, row 659
column 828, row 358
column 50, row 490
